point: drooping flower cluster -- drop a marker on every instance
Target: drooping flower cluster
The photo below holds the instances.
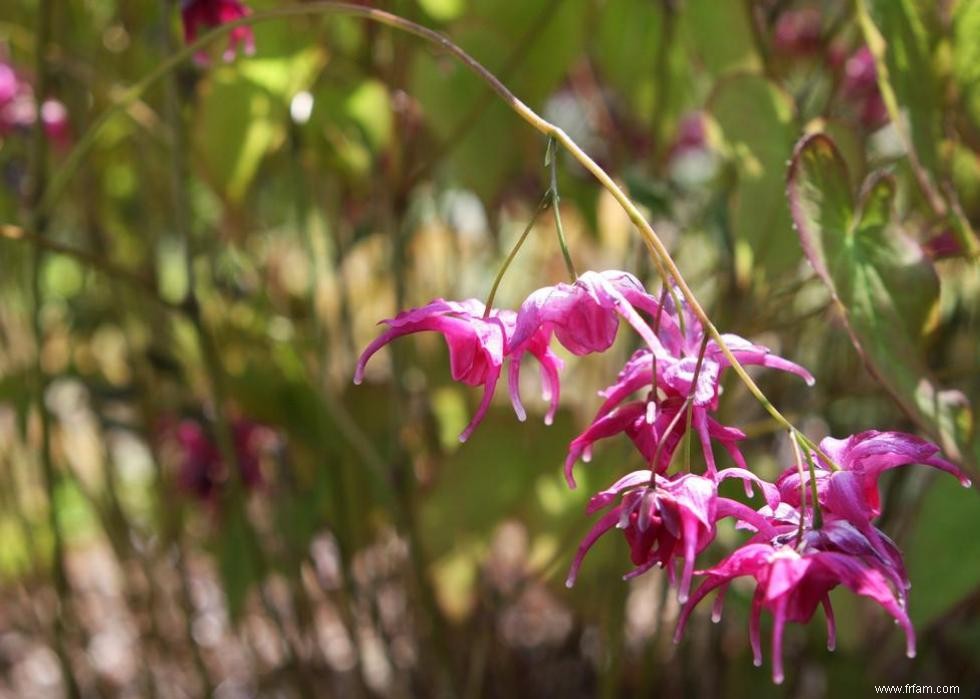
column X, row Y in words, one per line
column 202, row 15
column 668, row 392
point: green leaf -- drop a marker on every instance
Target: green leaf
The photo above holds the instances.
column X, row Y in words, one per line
column 721, row 34
column 243, row 114
column 896, row 34
column 236, row 560
column 443, row 10
column 885, row 287
column 943, row 560
column 488, row 151
column 235, row 130
column 966, row 57
column 756, row 119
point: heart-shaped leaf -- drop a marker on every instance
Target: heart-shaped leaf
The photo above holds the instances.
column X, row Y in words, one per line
column 886, row 289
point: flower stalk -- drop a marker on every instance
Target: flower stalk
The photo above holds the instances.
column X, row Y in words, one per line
column 660, row 256
column 545, row 201
column 551, row 161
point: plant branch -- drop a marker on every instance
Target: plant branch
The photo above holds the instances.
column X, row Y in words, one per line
column 137, row 281
column 660, row 255
column 37, row 224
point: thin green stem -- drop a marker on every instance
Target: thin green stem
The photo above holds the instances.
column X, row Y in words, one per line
column 798, row 460
column 663, row 439
column 234, row 493
column 817, row 515
column 690, row 405
column 91, row 260
column 551, row 160
column 660, row 256
column 545, row 200
column 37, row 225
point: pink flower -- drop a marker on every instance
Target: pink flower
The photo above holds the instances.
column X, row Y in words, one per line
column 584, row 316
column 668, row 518
column 865, row 455
column 860, row 87
column 18, row 109
column 54, row 116
column 646, row 422
column 943, row 245
column 9, row 83
column 692, row 134
column 539, row 347
column 792, row 581
column 202, row 470
column 477, row 345
column 687, row 343
column 207, row 14
column 798, row 32
column 860, row 74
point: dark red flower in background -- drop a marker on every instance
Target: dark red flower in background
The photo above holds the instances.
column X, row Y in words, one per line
column 198, row 15
column 860, row 88
column 798, row 32
column 202, row 470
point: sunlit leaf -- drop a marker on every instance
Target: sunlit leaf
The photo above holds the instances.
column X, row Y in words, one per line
column 883, row 284
column 756, row 119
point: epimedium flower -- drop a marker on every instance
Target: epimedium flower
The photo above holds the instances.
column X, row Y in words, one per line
column 672, row 377
column 682, row 334
column 478, row 346
column 836, row 533
column 791, row 581
column 207, row 14
column 666, row 518
column 539, row 346
column 584, row 316
column 652, row 427
column 862, row 458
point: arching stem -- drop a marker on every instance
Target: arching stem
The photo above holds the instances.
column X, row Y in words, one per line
column 659, row 254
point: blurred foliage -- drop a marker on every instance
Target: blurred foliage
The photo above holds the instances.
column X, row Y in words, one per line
column 236, row 232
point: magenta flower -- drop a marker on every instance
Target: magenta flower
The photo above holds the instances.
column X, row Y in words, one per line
column 18, row 109
column 477, row 349
column 538, row 346
column 202, row 470
column 798, row 32
column 646, row 424
column 9, row 83
column 692, row 134
column 860, row 87
column 837, row 533
column 666, row 519
column 943, row 245
column 207, row 14
column 791, row 582
column 54, row 117
column 584, row 316
column 687, row 343
column 866, row 455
